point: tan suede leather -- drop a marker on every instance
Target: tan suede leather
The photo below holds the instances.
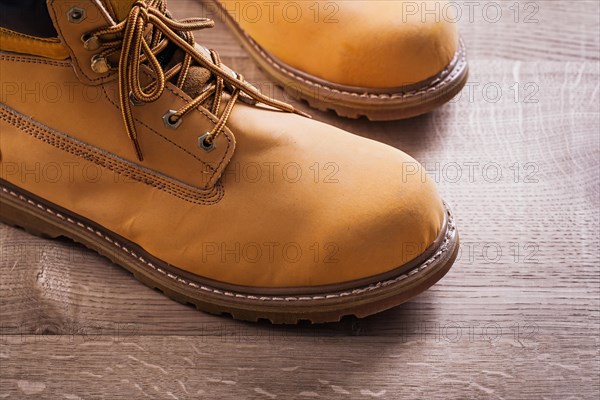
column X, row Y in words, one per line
column 319, row 189
column 370, row 44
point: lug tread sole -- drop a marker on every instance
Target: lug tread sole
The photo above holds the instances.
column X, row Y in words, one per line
column 45, row 220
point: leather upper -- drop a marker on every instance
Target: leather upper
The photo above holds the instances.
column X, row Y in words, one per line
column 282, row 201
column 370, row 44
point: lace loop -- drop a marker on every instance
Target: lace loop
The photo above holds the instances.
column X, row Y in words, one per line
column 141, row 37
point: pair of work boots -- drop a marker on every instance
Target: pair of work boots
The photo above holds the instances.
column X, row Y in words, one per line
column 120, row 132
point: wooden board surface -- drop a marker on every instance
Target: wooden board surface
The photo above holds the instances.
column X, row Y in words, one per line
column 518, row 317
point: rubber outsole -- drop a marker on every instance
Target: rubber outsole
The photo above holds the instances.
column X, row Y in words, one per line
column 356, row 102
column 21, row 209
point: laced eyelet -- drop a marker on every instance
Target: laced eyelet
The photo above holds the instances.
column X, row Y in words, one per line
column 169, row 123
column 90, row 42
column 134, row 101
column 205, row 144
column 149, row 25
column 76, row 15
column 100, row 65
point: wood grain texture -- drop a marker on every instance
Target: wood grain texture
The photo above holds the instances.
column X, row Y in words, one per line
column 518, row 317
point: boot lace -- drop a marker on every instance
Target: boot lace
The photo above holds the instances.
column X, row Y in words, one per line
column 141, row 38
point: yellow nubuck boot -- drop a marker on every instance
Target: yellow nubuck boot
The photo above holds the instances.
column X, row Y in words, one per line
column 385, row 59
column 171, row 165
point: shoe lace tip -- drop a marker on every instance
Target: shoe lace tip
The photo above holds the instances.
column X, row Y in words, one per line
column 302, row 113
column 138, row 150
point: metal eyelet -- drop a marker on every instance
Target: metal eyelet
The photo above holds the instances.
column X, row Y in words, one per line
column 204, row 145
column 76, row 15
column 100, row 65
column 169, row 123
column 135, row 101
column 90, row 42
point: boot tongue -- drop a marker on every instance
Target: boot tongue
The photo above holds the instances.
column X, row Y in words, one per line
column 197, row 77
column 118, row 9
column 196, row 81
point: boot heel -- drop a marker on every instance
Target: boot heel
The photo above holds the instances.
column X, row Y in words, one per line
column 26, row 217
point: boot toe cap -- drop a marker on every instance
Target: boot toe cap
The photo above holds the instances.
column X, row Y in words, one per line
column 366, row 44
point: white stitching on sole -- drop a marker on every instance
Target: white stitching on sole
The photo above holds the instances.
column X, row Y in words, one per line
column 444, row 78
column 444, row 247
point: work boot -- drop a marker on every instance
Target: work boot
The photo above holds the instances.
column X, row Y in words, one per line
column 381, row 59
column 123, row 134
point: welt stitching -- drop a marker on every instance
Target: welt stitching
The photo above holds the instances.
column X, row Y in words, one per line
column 204, row 197
column 444, row 247
column 435, row 85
